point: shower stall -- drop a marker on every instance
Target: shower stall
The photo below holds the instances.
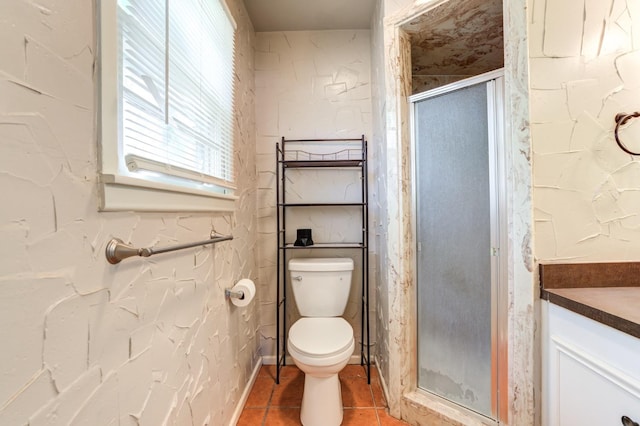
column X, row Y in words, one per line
column 460, row 227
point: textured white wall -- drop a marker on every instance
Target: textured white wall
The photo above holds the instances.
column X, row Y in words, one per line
column 585, row 68
column 379, row 166
column 145, row 342
column 308, row 85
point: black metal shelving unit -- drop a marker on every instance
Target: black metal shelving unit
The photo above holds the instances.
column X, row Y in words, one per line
column 353, row 156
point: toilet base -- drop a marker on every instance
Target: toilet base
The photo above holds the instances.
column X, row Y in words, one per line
column 321, row 401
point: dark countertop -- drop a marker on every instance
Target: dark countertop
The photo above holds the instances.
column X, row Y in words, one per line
column 617, row 307
column 605, row 292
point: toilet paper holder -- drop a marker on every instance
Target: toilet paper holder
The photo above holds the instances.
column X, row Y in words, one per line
column 229, row 293
column 242, row 293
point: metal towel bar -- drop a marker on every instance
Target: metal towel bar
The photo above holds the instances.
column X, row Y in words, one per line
column 117, row 250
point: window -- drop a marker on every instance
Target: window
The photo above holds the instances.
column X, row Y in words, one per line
column 166, row 105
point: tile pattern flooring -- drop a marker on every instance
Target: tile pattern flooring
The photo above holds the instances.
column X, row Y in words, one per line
column 269, row 404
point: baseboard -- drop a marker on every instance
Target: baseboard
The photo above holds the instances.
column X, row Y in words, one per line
column 245, row 393
column 271, row 360
column 355, row 359
column 383, row 384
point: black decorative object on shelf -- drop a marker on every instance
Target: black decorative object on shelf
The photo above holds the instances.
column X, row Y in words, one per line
column 303, row 238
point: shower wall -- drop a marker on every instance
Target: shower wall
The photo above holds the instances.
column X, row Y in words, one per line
column 395, row 290
column 309, row 84
column 149, row 341
column 390, row 313
column 379, row 168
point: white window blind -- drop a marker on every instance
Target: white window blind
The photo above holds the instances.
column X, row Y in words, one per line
column 176, row 89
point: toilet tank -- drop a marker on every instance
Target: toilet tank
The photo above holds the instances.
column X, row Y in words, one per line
column 321, row 285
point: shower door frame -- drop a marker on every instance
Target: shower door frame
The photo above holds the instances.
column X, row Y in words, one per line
column 499, row 239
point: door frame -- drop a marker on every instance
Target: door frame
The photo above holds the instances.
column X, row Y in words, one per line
column 498, row 202
column 394, row 354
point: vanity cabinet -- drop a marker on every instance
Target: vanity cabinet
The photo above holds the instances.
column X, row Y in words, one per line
column 319, row 180
column 591, row 372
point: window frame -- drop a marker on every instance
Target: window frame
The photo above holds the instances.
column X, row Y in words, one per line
column 121, row 190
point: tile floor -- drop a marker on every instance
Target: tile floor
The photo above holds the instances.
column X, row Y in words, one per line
column 279, row 405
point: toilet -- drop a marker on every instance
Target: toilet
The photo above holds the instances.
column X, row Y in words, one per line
column 321, row 342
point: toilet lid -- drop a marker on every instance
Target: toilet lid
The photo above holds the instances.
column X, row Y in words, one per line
column 320, row 337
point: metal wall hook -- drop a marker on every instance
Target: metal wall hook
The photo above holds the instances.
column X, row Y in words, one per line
column 117, row 250
column 621, row 119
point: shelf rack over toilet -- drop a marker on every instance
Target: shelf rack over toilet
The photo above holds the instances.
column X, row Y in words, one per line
column 352, row 156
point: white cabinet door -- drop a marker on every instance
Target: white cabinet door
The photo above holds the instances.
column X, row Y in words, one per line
column 591, row 372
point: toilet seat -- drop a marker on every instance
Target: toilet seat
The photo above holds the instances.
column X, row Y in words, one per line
column 320, row 338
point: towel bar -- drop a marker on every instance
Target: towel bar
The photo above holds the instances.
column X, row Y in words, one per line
column 117, row 250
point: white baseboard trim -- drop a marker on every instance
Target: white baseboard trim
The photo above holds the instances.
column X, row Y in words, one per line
column 383, row 384
column 269, row 360
column 245, row 393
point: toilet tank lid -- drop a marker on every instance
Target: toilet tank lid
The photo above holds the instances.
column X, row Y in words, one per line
column 321, row 264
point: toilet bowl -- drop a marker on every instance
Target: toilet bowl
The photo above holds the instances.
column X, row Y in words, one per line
column 321, row 342
column 321, row 348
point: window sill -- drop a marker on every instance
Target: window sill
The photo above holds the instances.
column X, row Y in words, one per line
column 123, row 193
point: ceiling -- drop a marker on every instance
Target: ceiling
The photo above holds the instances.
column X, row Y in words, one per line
column 460, row 37
column 309, row 15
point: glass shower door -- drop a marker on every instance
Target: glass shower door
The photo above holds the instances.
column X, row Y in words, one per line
column 456, row 217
